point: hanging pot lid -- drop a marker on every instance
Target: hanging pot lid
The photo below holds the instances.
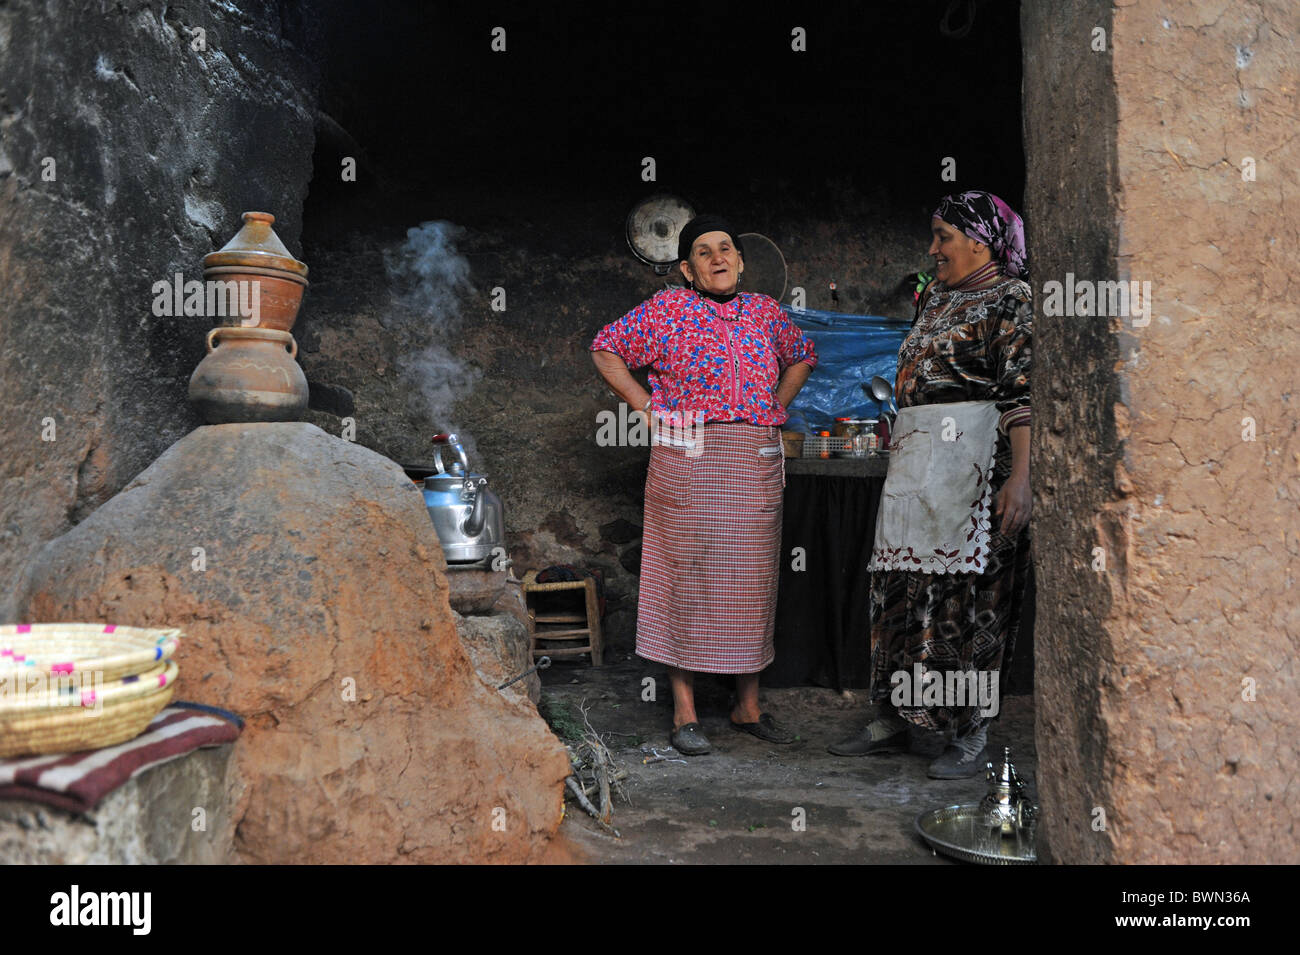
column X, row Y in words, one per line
column 653, row 226
column 765, row 270
column 257, row 245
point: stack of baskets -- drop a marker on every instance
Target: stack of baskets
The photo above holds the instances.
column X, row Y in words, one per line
column 67, row 687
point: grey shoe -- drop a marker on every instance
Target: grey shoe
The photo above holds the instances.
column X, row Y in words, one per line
column 689, row 740
column 955, row 764
column 766, row 729
column 965, row 756
column 881, row 735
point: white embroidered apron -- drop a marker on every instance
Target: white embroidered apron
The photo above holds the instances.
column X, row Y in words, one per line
column 936, row 503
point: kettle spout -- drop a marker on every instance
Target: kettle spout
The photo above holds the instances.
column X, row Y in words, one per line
column 473, row 525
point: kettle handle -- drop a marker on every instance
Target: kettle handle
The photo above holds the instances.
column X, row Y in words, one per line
column 445, row 438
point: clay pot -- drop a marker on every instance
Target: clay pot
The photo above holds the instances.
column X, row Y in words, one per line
column 256, row 254
column 249, row 374
column 278, row 297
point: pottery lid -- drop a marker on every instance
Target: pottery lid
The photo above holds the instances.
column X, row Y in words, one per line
column 256, row 244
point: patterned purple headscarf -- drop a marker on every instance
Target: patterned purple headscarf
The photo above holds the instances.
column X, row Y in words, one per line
column 986, row 218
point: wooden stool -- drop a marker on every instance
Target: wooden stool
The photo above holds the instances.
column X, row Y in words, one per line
column 591, row 632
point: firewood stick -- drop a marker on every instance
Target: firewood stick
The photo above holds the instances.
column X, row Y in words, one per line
column 585, row 803
column 606, row 809
column 617, row 776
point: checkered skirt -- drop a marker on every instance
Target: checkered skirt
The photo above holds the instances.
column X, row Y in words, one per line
column 710, row 551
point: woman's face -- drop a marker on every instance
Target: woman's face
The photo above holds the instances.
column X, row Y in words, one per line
column 955, row 253
column 714, row 265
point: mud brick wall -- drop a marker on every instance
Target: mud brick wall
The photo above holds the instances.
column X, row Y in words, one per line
column 1166, row 453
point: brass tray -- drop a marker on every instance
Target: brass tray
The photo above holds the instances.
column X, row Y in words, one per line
column 958, row 832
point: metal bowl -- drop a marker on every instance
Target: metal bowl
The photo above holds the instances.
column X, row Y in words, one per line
column 962, row 832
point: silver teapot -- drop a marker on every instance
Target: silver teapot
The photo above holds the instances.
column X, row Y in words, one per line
column 469, row 518
column 1007, row 806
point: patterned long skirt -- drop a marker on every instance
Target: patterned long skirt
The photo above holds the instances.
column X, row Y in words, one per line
column 710, row 551
column 950, row 622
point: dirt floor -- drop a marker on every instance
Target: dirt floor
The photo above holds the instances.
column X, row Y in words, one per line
column 739, row 803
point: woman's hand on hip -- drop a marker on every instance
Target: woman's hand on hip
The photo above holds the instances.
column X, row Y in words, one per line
column 1013, row 505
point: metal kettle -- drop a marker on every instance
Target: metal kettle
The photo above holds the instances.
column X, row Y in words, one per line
column 469, row 518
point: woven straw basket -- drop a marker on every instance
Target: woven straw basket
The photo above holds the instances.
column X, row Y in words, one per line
column 71, row 687
column 120, row 712
column 112, row 651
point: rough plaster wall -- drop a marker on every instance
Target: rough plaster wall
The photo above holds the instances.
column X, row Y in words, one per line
column 157, row 147
column 1213, row 531
column 1140, row 667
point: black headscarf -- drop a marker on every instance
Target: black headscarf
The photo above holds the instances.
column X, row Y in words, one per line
column 702, row 225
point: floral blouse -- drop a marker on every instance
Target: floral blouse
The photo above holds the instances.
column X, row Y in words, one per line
column 971, row 346
column 723, row 360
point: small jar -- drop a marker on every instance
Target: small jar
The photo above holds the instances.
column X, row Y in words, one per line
column 845, row 429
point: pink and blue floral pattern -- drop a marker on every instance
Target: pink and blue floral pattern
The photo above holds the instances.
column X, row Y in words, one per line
column 719, row 360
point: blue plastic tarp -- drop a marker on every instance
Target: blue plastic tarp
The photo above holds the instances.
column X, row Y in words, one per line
column 850, row 350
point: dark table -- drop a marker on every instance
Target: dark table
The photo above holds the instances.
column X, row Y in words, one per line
column 823, row 601
column 823, row 611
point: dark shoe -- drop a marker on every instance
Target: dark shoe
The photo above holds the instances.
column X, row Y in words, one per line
column 766, row 729
column 878, row 736
column 955, row 764
column 689, row 740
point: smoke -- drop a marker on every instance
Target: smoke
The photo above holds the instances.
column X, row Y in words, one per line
column 429, row 279
column 427, row 272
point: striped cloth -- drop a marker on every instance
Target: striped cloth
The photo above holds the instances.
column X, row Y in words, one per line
column 78, row 781
column 710, row 550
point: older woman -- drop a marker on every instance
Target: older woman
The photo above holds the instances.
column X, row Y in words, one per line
column 952, row 547
column 726, row 365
